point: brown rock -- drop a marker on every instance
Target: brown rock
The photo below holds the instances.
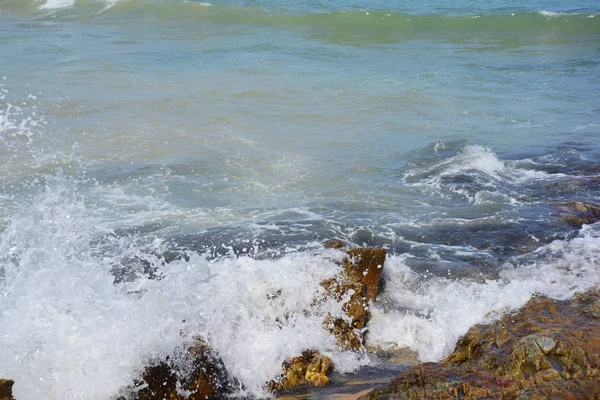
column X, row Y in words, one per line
column 358, row 284
column 366, row 266
column 318, row 369
column 207, row 378
column 334, row 244
column 590, row 305
column 311, row 368
column 529, row 357
column 581, row 184
column 6, row 389
column 403, row 356
column 549, row 349
column 347, row 336
column 578, row 213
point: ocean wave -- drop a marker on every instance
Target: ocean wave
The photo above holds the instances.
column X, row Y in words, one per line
column 556, row 13
column 70, row 329
column 476, row 174
column 56, row 4
column 428, row 314
column 345, row 25
column 65, row 314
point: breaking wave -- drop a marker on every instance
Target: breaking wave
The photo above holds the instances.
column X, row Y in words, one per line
column 342, row 26
column 71, row 318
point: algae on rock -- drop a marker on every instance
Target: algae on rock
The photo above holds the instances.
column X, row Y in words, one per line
column 309, row 368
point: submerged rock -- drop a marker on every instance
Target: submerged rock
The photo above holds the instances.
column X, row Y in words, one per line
column 548, row 349
column 206, row 379
column 578, row 213
column 6, row 389
column 398, row 356
column 576, row 184
column 334, row 244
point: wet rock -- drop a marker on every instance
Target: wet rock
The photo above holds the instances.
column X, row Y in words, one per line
column 581, row 184
column 347, row 335
column 366, row 265
column 356, row 286
column 311, row 368
column 318, row 369
column 590, row 304
column 6, row 389
column 206, row 379
column 578, row 213
column 334, row 244
column 548, row 349
column 400, row 356
column 529, row 357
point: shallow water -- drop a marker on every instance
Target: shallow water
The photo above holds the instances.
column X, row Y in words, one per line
column 167, row 166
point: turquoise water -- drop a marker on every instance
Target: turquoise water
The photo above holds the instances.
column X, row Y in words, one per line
column 218, row 145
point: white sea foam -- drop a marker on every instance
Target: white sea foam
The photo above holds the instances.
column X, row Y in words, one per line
column 59, row 4
column 14, row 121
column 548, row 13
column 481, row 165
column 486, row 197
column 68, row 332
column 201, row 4
column 555, row 13
column 56, row 4
column 428, row 315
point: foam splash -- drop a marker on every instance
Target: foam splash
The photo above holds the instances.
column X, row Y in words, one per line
column 60, row 4
column 68, row 332
column 56, row 4
column 19, row 119
column 21, row 128
column 428, row 314
column 476, row 174
column 551, row 14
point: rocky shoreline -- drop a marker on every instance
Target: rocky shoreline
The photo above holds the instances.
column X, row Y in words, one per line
column 547, row 349
column 355, row 287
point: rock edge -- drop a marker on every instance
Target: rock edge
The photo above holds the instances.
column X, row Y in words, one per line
column 547, row 349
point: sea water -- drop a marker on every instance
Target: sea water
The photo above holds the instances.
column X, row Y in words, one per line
column 171, row 169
